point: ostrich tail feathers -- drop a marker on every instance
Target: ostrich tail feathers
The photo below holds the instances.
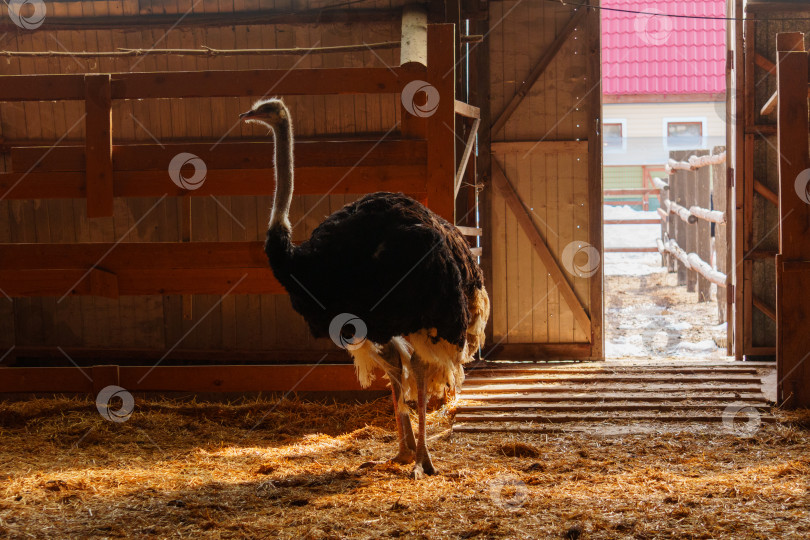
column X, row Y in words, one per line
column 479, row 310
column 366, row 358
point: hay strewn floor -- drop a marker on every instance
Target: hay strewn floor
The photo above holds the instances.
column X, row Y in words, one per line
column 289, row 469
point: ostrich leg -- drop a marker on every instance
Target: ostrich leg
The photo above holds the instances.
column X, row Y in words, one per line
column 423, row 464
column 392, row 366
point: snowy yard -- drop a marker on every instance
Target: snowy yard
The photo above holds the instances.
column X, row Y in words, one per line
column 646, row 313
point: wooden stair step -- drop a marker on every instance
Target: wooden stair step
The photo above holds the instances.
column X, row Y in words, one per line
column 475, row 373
column 589, row 417
column 606, row 407
column 556, row 398
column 612, row 389
column 580, row 379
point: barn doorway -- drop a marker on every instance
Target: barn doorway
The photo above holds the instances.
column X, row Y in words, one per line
column 664, row 175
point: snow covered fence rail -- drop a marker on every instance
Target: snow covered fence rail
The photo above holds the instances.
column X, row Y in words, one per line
column 692, row 261
column 694, row 163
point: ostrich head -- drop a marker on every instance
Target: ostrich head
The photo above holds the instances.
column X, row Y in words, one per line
column 273, row 114
column 270, row 112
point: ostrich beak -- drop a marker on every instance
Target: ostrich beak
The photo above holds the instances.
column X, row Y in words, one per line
column 246, row 114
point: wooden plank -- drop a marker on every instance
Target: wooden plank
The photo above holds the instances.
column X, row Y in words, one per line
column 309, row 181
column 226, row 155
column 215, row 83
column 278, row 378
column 467, row 110
column 138, row 282
column 793, row 268
column 703, row 200
column 527, row 225
column 589, row 378
column 613, row 396
column 583, row 417
column 545, row 146
column 145, row 255
column 766, row 192
column 548, row 55
column 612, row 407
column 98, row 132
column 441, row 160
column 631, row 250
column 764, row 308
column 599, row 389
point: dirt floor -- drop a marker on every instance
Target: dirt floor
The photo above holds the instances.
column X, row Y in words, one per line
column 289, row 469
column 651, row 315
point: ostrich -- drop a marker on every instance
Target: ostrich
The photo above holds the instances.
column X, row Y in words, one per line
column 406, row 276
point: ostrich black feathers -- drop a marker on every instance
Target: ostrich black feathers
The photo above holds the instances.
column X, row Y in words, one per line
column 386, row 259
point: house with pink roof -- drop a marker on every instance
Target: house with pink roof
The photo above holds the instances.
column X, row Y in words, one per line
column 663, row 84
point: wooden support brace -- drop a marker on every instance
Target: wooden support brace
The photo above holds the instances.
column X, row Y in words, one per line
column 98, row 152
column 523, row 217
column 462, row 167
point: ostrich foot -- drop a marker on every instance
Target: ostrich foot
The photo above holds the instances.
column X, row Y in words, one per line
column 403, row 457
column 425, row 468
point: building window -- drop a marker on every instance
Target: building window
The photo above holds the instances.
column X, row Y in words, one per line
column 612, row 134
column 684, row 133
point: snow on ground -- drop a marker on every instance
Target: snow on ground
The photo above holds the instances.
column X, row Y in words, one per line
column 646, row 313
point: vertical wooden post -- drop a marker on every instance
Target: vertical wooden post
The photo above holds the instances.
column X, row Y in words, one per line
column 679, row 196
column 703, row 197
column 441, row 158
column 793, row 261
column 691, row 228
column 595, row 187
column 480, row 97
column 98, row 151
column 720, row 198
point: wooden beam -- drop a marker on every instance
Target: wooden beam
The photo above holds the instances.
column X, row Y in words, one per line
column 526, row 222
column 465, row 158
column 231, row 155
column 222, row 19
column 414, row 47
column 765, row 64
column 467, row 110
column 548, row 147
column 135, row 255
column 139, row 282
column 537, row 351
column 766, row 192
column 98, row 155
column 764, row 308
column 441, row 158
column 278, row 378
column 470, row 231
column 309, row 181
column 214, row 83
column 548, row 56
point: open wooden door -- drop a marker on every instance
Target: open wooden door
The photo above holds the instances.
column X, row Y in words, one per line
column 543, row 213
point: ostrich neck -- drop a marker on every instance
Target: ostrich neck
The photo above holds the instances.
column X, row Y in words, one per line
column 280, row 214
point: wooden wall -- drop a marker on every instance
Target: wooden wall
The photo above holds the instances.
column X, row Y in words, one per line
column 754, row 163
column 238, row 322
column 544, row 152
